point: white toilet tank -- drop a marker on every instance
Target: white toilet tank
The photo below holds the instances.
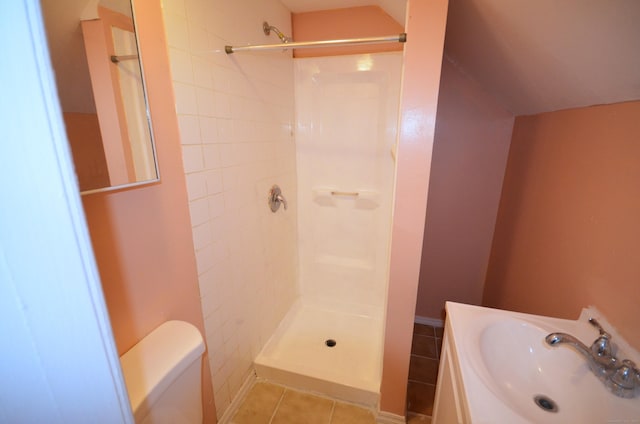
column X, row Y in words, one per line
column 162, row 374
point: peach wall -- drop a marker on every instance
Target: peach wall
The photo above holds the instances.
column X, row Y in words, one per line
column 352, row 22
column 472, row 138
column 83, row 133
column 142, row 237
column 567, row 231
column 426, row 21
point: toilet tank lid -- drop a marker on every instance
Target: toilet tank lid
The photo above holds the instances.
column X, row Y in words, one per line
column 158, row 359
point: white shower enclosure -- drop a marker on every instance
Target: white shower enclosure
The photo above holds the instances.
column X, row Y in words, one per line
column 332, row 339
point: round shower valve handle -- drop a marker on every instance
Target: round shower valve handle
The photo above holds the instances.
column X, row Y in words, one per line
column 276, row 198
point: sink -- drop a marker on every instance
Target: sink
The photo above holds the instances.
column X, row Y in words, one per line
column 511, row 375
column 537, row 381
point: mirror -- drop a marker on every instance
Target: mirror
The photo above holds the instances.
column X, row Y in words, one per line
column 94, row 53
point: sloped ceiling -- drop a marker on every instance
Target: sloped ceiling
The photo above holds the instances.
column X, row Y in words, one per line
column 536, row 56
column 395, row 8
column 532, row 56
column 544, row 55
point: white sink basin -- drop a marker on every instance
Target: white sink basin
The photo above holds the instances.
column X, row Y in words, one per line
column 521, row 368
column 506, row 365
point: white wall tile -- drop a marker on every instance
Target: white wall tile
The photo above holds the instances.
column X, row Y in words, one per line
column 218, row 228
column 207, row 104
column 174, row 7
column 202, row 75
column 202, row 235
column 216, row 205
column 192, row 158
column 235, row 115
column 176, row 28
column 198, row 12
column 185, row 99
column 212, row 283
column 222, row 398
column 196, row 185
column 181, row 67
column 199, row 210
column 189, row 129
column 222, row 79
column 232, row 177
column 228, row 155
column 222, row 105
column 213, row 181
column 199, row 41
column 225, row 130
column 208, row 129
column 211, row 156
column 204, row 259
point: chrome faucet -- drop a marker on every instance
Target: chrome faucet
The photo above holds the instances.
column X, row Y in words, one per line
column 622, row 378
column 276, row 198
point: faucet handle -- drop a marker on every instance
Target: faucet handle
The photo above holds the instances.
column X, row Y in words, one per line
column 625, row 379
column 280, row 198
column 276, row 198
column 602, row 345
column 596, row 324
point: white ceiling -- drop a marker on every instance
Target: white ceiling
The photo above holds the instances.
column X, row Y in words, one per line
column 536, row 56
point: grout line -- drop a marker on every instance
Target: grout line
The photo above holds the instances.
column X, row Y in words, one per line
column 333, row 408
column 277, row 406
column 422, row 356
column 421, row 382
column 412, row 414
column 425, row 357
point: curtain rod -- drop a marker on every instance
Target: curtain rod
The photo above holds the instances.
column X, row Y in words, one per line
column 116, row 59
column 401, row 38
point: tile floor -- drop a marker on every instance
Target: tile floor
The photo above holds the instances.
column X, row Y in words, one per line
column 423, row 369
column 418, row 419
column 268, row 403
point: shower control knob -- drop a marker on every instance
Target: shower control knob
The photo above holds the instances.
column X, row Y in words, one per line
column 276, row 198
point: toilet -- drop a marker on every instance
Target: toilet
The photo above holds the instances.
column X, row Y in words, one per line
column 162, row 374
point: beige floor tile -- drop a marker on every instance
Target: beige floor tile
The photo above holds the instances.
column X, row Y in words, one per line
column 351, row 414
column 302, row 408
column 259, row 405
column 418, row 419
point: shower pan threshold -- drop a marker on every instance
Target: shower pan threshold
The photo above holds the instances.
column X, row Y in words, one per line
column 334, row 353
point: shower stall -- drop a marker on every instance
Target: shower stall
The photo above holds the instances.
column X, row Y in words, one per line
column 331, row 340
column 299, row 295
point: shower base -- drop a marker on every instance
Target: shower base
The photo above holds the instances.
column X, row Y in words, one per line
column 335, row 353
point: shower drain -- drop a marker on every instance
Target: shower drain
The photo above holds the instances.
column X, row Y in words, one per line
column 545, row 403
column 330, row 342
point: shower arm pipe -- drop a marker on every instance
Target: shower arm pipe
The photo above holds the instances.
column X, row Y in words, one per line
column 400, row 38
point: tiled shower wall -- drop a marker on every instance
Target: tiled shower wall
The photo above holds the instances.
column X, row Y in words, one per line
column 236, row 124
